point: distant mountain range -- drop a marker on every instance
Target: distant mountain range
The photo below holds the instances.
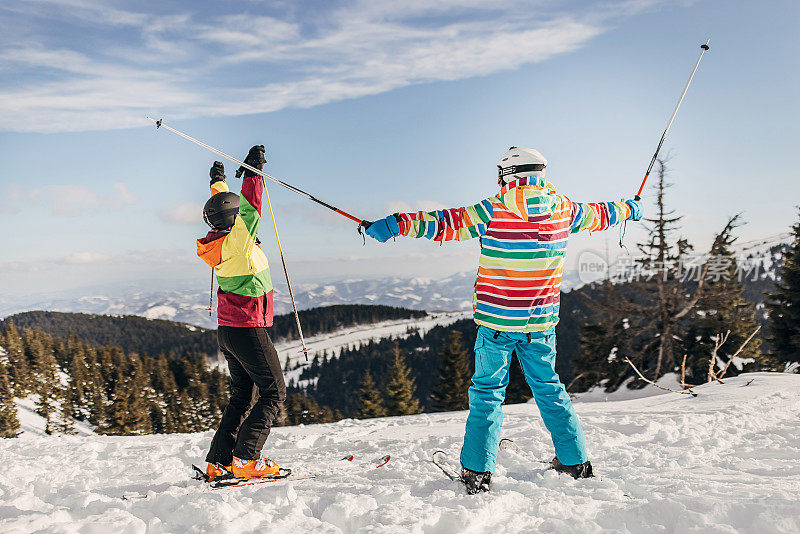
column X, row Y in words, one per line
column 453, row 293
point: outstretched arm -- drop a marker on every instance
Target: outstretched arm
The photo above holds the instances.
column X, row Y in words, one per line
column 455, row 224
column 594, row 216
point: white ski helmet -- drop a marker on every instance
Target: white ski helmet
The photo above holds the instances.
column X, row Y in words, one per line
column 518, row 163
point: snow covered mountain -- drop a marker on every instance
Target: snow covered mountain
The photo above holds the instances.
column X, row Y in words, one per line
column 453, row 293
column 726, row 461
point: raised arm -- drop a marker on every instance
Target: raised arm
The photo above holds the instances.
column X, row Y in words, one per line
column 245, row 229
column 594, row 216
column 455, row 224
column 217, row 174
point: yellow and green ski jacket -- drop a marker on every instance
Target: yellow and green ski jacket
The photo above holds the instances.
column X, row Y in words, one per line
column 244, row 297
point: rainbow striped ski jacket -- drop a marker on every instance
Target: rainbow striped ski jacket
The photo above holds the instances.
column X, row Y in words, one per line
column 244, row 297
column 523, row 233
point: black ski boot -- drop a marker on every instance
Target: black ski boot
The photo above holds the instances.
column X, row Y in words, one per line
column 583, row 470
column 476, row 481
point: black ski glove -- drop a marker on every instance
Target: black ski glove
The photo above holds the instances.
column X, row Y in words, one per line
column 217, row 172
column 255, row 158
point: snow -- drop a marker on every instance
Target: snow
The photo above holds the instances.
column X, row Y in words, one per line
column 160, row 312
column 31, row 423
column 355, row 336
column 598, row 394
column 725, row 461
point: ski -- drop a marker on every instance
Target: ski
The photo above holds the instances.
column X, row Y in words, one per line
column 380, row 462
column 238, row 483
column 228, row 480
column 509, row 445
column 439, row 459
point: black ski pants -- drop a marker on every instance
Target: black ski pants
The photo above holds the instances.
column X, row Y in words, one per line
column 254, row 366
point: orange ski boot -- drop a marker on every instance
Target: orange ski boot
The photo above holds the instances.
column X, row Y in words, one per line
column 263, row 467
column 215, row 470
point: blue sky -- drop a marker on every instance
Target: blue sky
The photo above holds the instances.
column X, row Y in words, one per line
column 375, row 107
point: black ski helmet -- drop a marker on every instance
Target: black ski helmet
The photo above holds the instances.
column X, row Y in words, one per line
column 220, row 211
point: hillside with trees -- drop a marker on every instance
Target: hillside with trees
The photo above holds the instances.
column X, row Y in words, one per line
column 155, row 336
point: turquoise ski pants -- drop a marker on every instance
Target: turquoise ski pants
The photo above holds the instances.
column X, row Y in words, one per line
column 493, row 350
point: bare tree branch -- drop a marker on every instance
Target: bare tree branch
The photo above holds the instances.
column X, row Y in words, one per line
column 683, row 373
column 687, row 391
column 576, row 379
column 712, row 361
column 746, row 341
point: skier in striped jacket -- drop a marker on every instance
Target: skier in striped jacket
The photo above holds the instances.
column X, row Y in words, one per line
column 523, row 233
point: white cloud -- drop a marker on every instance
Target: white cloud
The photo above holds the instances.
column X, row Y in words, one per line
column 69, row 200
column 205, row 63
column 123, row 197
column 183, row 213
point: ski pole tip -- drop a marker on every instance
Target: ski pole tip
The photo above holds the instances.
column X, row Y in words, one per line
column 151, row 119
column 705, row 46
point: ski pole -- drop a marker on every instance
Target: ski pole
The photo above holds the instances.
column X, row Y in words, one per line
column 703, row 48
column 304, row 350
column 160, row 123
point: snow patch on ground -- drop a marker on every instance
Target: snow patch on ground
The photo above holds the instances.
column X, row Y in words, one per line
column 598, row 394
column 355, row 336
column 725, row 461
column 33, row 424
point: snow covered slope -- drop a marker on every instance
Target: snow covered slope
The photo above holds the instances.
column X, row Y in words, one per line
column 357, row 335
column 726, row 461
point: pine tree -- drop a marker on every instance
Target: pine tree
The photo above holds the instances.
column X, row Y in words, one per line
column 663, row 256
column 721, row 309
column 45, row 377
column 218, row 394
column 9, row 422
column 400, row 391
column 96, row 396
column 784, row 309
column 183, row 413
column 300, row 409
column 450, row 392
column 371, row 404
column 139, row 395
column 166, row 410
column 79, row 384
column 62, row 420
column 18, row 368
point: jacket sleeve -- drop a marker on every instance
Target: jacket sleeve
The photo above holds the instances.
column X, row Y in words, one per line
column 594, row 216
column 219, row 187
column 245, row 228
column 456, row 224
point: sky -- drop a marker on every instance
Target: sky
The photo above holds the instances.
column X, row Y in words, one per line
column 375, row 107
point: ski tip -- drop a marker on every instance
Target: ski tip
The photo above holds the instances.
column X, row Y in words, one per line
column 348, row 458
column 383, row 461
